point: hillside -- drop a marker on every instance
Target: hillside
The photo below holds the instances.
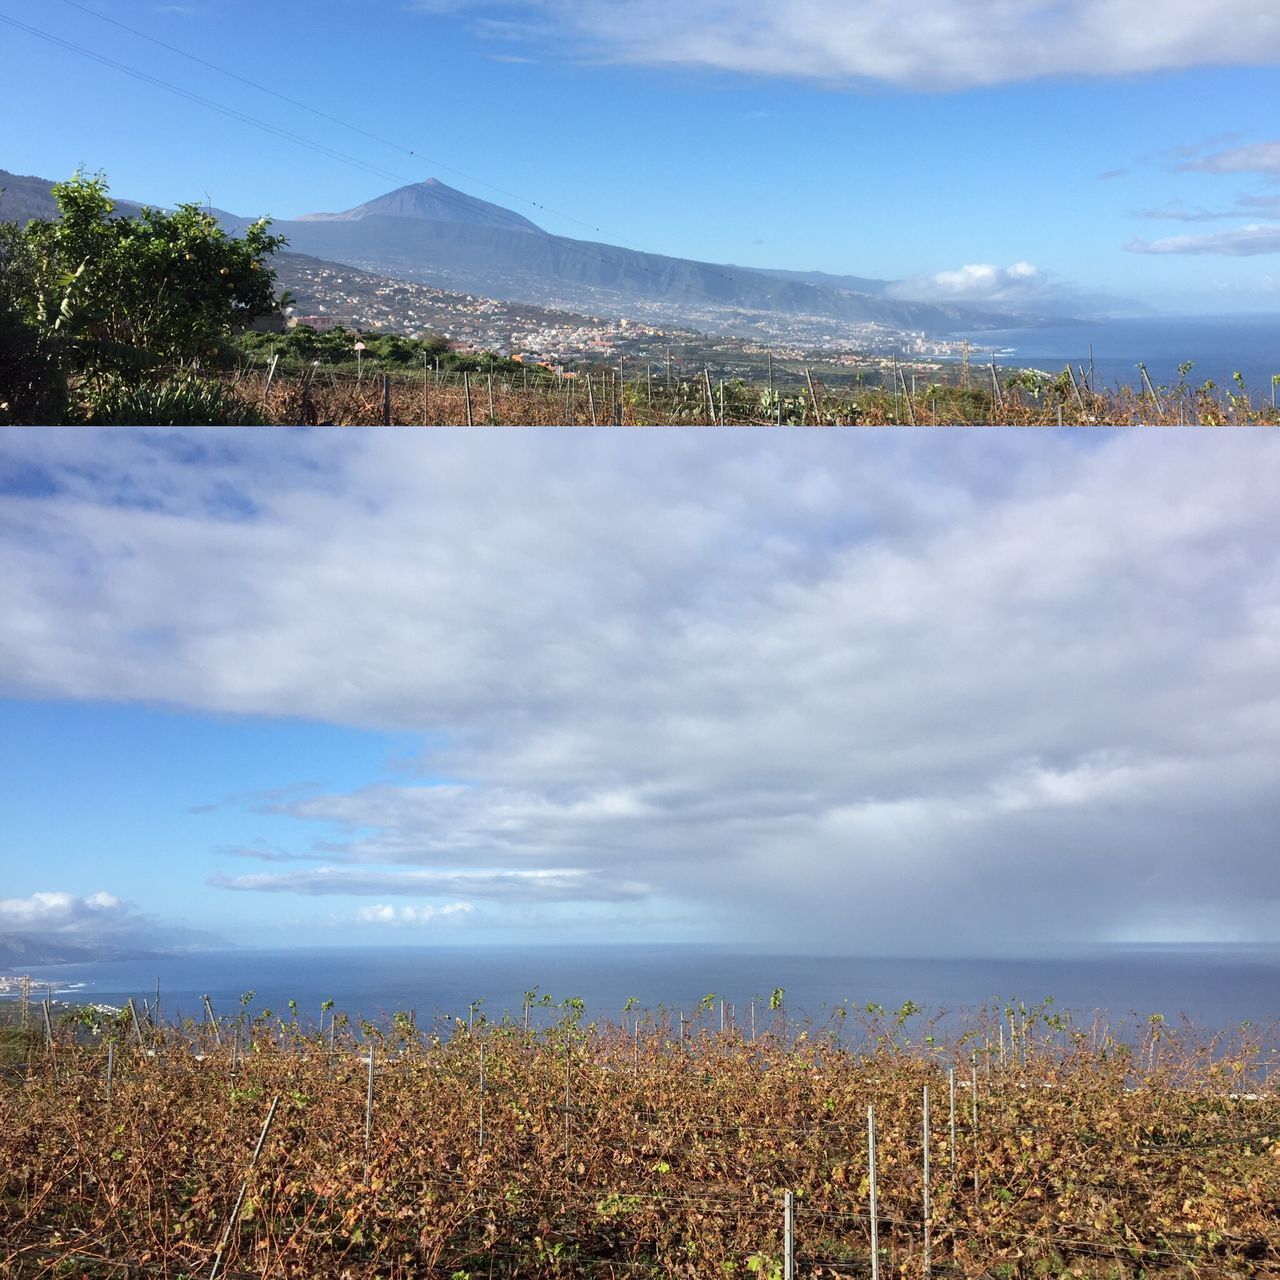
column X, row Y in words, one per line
column 23, row 197
column 433, row 246
column 430, row 233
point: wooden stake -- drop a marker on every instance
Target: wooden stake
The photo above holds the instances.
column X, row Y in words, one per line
column 788, row 1236
column 875, row 1200
column 817, row 407
column 244, row 1186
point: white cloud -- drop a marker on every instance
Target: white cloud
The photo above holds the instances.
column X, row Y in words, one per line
column 1253, row 157
column 550, row 884
column 1239, row 242
column 859, row 690
column 399, row 917
column 61, row 913
column 1023, row 282
column 923, row 44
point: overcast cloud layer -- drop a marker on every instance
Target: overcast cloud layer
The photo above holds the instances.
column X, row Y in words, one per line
column 910, row 691
column 922, row 44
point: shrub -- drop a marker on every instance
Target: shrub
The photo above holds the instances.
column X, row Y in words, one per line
column 184, row 400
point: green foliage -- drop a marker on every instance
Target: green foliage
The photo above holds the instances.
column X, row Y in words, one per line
column 388, row 352
column 124, row 295
column 184, row 400
column 33, row 387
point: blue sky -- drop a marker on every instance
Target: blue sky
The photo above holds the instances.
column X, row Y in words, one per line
column 1122, row 146
column 864, row 692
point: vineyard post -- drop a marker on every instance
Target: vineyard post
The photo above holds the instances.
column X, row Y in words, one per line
column 753, row 1017
column 568, row 1067
column 591, row 400
column 492, row 419
column 386, row 399
column 235, row 1051
column 481, row 1095
column 48, row 1025
column 975, row 1126
column 909, row 395
column 271, row 373
column 466, row 391
column 209, row 1017
column 648, row 383
column 244, row 1186
column 788, row 1236
column 368, row 1107
column 951, row 1082
column 711, row 400
column 722, row 1017
column 768, row 355
column 928, row 1204
column 668, row 371
column 722, row 402
column 133, row 1013
column 875, row 1201
column 305, row 406
column 817, row 405
column 111, row 1069
column 424, row 388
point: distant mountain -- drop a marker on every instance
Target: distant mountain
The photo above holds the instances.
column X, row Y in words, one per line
column 23, row 198
column 432, row 234
column 855, row 284
column 556, row 271
column 18, row 950
column 432, row 201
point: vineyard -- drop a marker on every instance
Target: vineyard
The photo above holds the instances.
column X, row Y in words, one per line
column 871, row 1144
column 604, row 397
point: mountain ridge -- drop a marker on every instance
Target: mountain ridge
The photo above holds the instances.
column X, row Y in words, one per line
column 444, row 238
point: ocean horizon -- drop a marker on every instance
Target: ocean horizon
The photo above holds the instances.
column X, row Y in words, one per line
column 1214, row 987
column 1218, row 346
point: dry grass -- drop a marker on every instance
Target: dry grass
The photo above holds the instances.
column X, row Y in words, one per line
column 341, row 400
column 626, row 1150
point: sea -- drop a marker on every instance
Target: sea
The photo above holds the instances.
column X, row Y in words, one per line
column 1216, row 988
column 1219, row 346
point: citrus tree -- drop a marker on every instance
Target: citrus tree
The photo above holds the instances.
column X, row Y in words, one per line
column 124, row 295
column 33, row 386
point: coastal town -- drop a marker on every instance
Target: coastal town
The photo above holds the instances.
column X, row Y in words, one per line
column 324, row 295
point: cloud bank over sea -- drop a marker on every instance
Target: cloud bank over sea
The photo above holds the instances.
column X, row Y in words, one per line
column 865, row 691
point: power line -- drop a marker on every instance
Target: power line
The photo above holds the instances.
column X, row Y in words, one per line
column 346, row 124
column 232, row 112
column 580, row 246
column 287, row 135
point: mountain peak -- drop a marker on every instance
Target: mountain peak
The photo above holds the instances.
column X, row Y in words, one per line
column 432, row 201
